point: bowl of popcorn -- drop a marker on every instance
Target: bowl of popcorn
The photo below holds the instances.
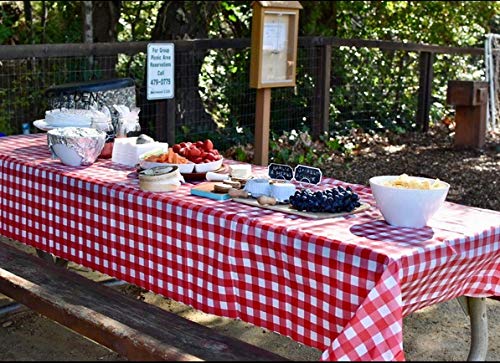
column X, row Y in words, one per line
column 408, row 201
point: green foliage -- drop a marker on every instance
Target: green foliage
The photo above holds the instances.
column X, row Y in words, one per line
column 224, row 137
column 377, row 89
column 10, row 15
column 298, row 147
column 452, row 23
column 137, row 20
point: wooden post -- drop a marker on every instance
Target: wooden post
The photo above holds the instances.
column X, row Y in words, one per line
column 165, row 120
column 160, row 120
column 170, row 133
column 479, row 329
column 470, row 99
column 262, row 122
column 321, row 101
column 273, row 62
column 425, row 90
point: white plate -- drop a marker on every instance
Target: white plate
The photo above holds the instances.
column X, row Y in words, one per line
column 44, row 126
column 205, row 167
column 183, row 168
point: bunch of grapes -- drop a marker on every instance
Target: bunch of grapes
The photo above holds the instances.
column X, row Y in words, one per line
column 333, row 200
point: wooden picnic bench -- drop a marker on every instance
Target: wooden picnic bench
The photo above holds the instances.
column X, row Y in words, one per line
column 133, row 328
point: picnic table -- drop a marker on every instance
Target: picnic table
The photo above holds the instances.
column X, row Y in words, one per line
column 342, row 285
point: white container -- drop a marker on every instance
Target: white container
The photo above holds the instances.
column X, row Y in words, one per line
column 126, row 150
column 160, row 179
column 403, row 207
column 282, row 191
column 67, row 155
column 258, row 187
column 240, row 171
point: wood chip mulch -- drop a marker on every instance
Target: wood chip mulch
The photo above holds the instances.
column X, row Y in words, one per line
column 474, row 175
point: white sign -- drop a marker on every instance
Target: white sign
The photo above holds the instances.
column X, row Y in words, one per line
column 275, row 36
column 160, row 71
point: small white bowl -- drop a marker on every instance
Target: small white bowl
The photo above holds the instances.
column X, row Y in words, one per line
column 258, row 187
column 282, row 191
column 205, row 167
column 403, row 207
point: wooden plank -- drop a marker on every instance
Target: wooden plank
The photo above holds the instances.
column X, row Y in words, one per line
column 387, row 45
column 133, row 328
column 286, row 208
column 113, row 48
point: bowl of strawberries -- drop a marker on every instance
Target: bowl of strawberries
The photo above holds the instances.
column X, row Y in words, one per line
column 202, row 153
column 191, row 157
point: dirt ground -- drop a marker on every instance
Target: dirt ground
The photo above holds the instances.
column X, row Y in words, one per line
column 437, row 333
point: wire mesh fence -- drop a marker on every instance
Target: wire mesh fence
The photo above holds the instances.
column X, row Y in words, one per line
column 369, row 87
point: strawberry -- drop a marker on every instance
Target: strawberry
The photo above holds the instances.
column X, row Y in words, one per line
column 208, row 145
column 194, row 151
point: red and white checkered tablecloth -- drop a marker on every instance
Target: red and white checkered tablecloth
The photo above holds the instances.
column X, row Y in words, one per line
column 341, row 285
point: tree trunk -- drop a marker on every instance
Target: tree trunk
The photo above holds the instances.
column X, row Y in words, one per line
column 88, row 31
column 28, row 15
column 43, row 21
column 105, row 17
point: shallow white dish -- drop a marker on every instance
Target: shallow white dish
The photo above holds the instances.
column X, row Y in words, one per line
column 44, row 126
column 407, row 207
column 206, row 167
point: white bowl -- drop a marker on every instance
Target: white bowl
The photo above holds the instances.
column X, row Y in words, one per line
column 205, row 167
column 67, row 155
column 76, row 146
column 183, row 168
column 403, row 207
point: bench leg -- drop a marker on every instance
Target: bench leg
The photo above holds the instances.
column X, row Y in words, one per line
column 479, row 328
column 50, row 258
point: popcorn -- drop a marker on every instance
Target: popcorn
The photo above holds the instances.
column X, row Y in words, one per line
column 407, row 182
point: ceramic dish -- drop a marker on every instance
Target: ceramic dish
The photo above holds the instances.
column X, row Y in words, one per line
column 405, row 207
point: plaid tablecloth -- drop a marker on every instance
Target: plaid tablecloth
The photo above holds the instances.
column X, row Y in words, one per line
column 342, row 285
